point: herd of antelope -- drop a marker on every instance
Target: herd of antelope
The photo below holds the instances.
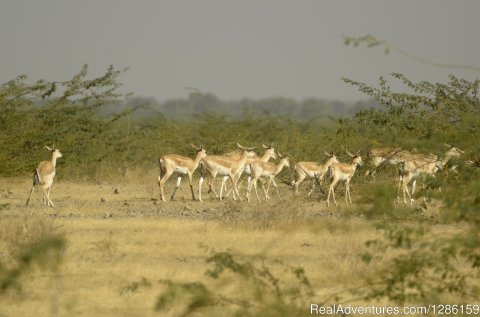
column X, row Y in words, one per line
column 233, row 165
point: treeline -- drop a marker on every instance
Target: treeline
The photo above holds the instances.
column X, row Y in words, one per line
column 103, row 133
column 198, row 103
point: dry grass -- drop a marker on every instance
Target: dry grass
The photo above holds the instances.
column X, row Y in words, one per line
column 118, row 250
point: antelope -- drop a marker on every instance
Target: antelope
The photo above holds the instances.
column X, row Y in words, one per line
column 181, row 165
column 417, row 165
column 267, row 155
column 385, row 155
column 312, row 170
column 266, row 169
column 44, row 175
column 223, row 166
column 343, row 172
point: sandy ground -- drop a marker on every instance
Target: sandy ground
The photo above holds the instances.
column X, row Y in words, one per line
column 116, row 239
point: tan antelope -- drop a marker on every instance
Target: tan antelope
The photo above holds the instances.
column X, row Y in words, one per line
column 343, row 172
column 267, row 155
column 269, row 170
column 385, row 155
column 217, row 165
column 312, row 170
column 44, row 175
column 417, row 165
column 181, row 165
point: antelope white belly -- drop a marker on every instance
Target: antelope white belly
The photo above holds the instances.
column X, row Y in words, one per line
column 310, row 173
column 224, row 171
column 181, row 170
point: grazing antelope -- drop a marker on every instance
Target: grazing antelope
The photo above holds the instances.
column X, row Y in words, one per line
column 181, row 165
column 44, row 175
column 216, row 165
column 267, row 155
column 312, row 170
column 343, row 172
column 266, row 169
column 416, row 165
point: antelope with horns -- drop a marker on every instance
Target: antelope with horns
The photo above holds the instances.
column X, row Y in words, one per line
column 269, row 170
column 312, row 170
column 267, row 155
column 343, row 172
column 180, row 165
column 417, row 165
column 223, row 166
column 44, row 175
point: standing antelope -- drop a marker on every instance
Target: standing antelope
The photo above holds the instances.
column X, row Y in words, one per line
column 181, row 165
column 312, row 170
column 416, row 165
column 387, row 155
column 266, row 169
column 267, row 155
column 44, row 175
column 216, row 165
column 343, row 172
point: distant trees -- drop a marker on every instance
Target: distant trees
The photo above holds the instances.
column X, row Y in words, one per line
column 185, row 109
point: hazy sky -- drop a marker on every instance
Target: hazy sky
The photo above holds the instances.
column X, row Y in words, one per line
column 236, row 49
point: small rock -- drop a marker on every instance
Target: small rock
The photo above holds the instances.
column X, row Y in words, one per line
column 116, row 191
column 103, row 200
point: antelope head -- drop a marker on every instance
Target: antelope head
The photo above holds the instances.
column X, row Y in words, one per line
column 284, row 158
column 249, row 150
column 55, row 152
column 270, row 150
column 200, row 150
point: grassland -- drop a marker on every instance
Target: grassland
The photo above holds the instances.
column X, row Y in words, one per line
column 120, row 245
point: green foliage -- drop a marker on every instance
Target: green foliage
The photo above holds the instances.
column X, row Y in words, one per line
column 259, row 291
column 433, row 114
column 383, row 206
column 45, row 253
column 26, row 243
column 434, row 111
column 371, row 41
column 64, row 113
column 425, row 268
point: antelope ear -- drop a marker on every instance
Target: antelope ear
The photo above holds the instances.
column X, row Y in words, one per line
column 326, row 153
column 265, row 147
column 196, row 148
column 448, row 145
column 358, row 153
column 201, row 147
column 48, row 148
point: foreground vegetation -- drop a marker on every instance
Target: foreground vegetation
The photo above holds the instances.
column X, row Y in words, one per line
column 131, row 255
column 101, row 253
